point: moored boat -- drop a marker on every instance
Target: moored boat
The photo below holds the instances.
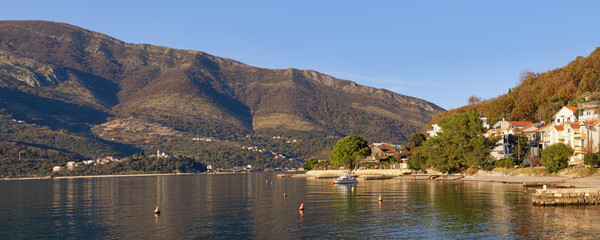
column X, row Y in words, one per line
column 345, row 178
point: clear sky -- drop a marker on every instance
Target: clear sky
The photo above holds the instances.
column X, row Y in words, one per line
column 440, row 51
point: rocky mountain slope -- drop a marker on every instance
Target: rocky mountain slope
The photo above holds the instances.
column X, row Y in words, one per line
column 73, row 80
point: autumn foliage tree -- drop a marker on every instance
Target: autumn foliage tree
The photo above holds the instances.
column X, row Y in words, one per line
column 538, row 96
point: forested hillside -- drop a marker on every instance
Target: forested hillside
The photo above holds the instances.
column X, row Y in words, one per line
column 538, row 96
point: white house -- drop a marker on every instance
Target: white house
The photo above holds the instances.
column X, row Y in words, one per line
column 565, row 115
column 435, row 129
column 58, row 168
column 484, row 122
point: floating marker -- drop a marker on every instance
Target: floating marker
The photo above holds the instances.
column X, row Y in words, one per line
column 301, row 206
column 332, row 183
column 284, row 195
column 380, row 198
column 157, row 210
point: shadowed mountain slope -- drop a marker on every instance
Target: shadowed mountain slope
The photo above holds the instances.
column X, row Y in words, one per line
column 67, row 77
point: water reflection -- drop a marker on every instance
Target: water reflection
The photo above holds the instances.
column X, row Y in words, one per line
column 249, row 206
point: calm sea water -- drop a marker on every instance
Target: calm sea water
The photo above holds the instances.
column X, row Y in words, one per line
column 252, row 206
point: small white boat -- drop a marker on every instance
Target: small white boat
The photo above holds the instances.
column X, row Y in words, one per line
column 345, row 179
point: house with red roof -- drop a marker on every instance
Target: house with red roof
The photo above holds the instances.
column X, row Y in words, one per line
column 506, row 125
column 565, row 115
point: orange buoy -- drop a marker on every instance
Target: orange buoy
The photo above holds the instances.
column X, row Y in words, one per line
column 284, row 195
column 157, row 210
column 301, row 206
column 380, row 198
column 332, row 183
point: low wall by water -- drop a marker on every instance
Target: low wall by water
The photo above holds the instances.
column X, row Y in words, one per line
column 566, row 196
column 358, row 173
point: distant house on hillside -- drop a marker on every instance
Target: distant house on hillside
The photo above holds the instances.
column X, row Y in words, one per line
column 435, row 129
column 484, row 122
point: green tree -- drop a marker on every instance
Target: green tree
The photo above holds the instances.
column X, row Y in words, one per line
column 505, row 163
column 308, row 165
column 417, row 161
column 416, row 139
column 556, row 157
column 347, row 151
column 519, row 145
column 460, row 144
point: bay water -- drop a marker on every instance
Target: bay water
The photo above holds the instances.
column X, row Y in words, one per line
column 253, row 206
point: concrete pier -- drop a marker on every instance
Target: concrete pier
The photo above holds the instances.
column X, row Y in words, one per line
column 566, row 196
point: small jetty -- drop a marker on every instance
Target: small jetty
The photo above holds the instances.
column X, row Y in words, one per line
column 375, row 177
column 566, row 196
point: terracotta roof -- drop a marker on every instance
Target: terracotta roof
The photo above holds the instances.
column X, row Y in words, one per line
column 574, row 125
column 542, row 127
column 519, row 123
column 387, row 148
column 559, row 128
column 591, row 122
column 573, row 109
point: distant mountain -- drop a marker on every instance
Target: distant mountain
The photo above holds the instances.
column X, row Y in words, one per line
column 131, row 97
column 538, row 96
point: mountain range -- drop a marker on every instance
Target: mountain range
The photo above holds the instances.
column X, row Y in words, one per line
column 81, row 92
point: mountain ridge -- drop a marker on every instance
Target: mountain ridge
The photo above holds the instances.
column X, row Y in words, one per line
column 186, row 90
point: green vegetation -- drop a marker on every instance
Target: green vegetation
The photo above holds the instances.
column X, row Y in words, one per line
column 349, row 150
column 460, row 145
column 417, row 161
column 308, row 165
column 83, row 144
column 519, row 145
column 505, row 163
column 140, row 164
column 416, row 140
column 556, row 157
column 20, row 160
column 591, row 159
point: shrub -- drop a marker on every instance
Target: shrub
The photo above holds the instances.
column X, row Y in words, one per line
column 308, row 165
column 506, row 163
column 556, row 157
column 531, row 161
column 472, row 171
column 417, row 161
column 591, row 159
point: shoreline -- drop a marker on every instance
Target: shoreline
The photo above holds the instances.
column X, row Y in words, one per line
column 382, row 174
column 527, row 181
column 99, row 176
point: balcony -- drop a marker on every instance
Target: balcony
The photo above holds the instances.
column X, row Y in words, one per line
column 580, row 149
column 579, row 136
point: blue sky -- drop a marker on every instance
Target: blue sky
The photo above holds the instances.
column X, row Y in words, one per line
column 440, row 51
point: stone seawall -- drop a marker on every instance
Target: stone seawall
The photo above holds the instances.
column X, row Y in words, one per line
column 566, row 196
column 358, row 173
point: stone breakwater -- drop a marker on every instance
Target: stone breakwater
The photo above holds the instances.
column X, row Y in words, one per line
column 566, row 196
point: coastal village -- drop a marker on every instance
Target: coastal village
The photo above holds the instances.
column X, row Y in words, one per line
column 577, row 127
